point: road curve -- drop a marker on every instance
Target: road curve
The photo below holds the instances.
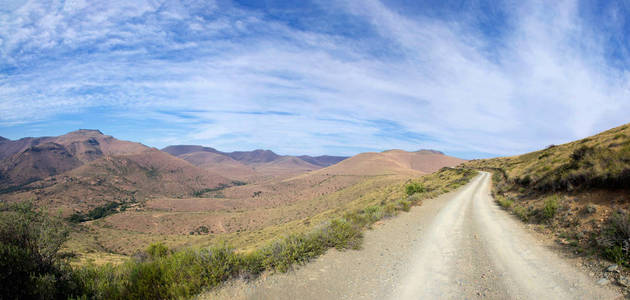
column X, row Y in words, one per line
column 460, row 245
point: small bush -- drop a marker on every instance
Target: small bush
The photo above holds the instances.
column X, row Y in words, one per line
column 413, row 188
column 521, row 212
column 416, row 198
column 147, row 281
column 504, row 201
column 389, row 209
column 614, row 240
column 550, row 207
column 342, row 235
column 589, row 209
column 157, row 250
column 404, row 205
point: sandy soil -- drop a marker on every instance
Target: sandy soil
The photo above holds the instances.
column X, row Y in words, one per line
column 457, row 246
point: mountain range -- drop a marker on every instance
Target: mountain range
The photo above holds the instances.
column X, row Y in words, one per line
column 84, row 169
column 248, row 164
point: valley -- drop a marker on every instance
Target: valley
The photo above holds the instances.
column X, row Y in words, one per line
column 194, row 196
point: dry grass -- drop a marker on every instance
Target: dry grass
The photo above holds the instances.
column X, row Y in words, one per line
column 107, row 239
column 577, row 191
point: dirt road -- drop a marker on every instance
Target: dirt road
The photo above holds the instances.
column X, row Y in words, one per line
column 457, row 246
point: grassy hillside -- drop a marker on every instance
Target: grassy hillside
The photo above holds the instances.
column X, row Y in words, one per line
column 577, row 191
column 600, row 161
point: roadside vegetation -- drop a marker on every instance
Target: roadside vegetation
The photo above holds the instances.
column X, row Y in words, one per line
column 161, row 273
column 577, row 191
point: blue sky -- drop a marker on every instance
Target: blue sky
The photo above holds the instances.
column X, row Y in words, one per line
column 470, row 78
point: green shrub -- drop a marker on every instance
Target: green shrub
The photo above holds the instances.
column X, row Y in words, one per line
column 550, row 207
column 341, row 234
column 521, row 212
column 219, row 264
column 95, row 213
column 414, row 187
column 281, row 254
column 614, row 240
column 389, row 209
column 504, row 201
column 416, row 198
column 157, row 250
column 99, row 282
column 147, row 280
column 374, row 213
column 404, row 205
column 30, row 263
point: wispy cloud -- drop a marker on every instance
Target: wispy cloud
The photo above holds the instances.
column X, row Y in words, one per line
column 333, row 77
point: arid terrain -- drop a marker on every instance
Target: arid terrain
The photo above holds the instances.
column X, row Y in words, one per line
column 458, row 246
column 274, row 212
column 194, row 195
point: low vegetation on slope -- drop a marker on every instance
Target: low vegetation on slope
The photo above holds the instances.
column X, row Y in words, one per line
column 579, row 190
column 160, row 273
column 600, row 161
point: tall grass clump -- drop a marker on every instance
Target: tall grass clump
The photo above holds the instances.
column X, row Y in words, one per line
column 504, row 201
column 521, row 212
column 550, row 207
column 413, row 188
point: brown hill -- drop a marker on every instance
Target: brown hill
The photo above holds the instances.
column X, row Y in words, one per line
column 86, row 168
column 256, row 156
column 246, row 165
column 220, row 164
column 284, row 165
column 32, row 159
column 9, row 147
column 322, row 161
column 35, row 163
column 393, row 162
column 177, row 150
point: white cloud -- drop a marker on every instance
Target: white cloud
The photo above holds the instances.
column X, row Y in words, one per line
column 546, row 81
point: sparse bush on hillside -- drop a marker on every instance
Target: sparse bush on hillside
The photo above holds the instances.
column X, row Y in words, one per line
column 414, row 187
column 504, row 201
column 521, row 212
column 590, row 167
column 614, row 240
column 404, row 205
column 550, row 207
column 97, row 212
column 157, row 250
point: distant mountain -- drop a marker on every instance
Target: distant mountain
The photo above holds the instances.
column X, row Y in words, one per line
column 9, row 147
column 219, row 163
column 322, row 161
column 430, row 151
column 178, row 150
column 244, row 164
column 86, row 166
column 32, row 159
column 256, row 156
column 393, row 162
